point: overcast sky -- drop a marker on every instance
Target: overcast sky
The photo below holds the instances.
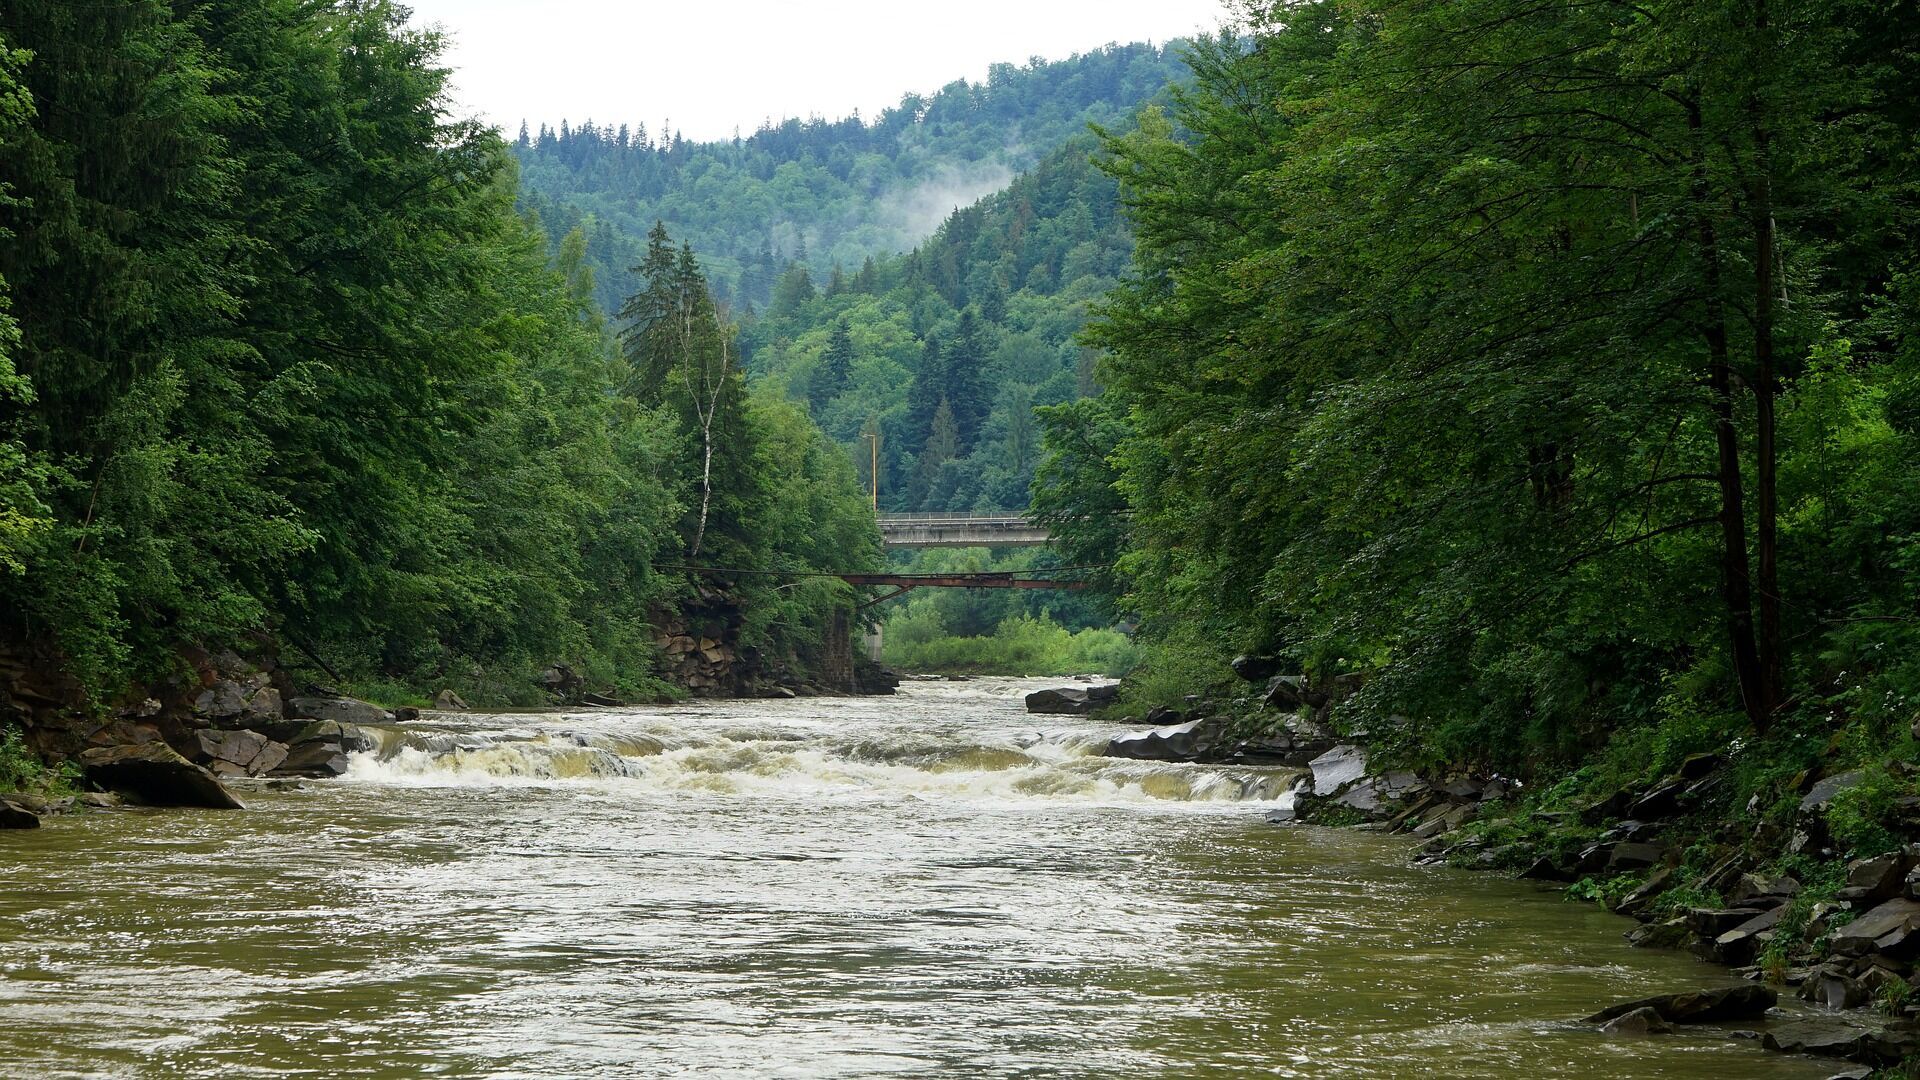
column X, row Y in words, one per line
column 712, row 65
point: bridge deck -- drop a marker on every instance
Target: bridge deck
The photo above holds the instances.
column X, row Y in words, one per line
column 987, row 529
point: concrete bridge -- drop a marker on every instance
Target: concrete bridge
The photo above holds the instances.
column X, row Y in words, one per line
column 991, row 528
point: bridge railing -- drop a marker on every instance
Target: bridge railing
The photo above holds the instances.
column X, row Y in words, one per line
column 968, row 518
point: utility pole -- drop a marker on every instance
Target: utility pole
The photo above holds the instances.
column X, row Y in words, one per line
column 873, row 470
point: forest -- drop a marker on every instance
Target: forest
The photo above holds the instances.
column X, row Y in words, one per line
column 282, row 363
column 1552, row 367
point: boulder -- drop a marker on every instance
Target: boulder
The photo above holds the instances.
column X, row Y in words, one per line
column 351, row 738
column 1823, row 792
column 315, row 759
column 221, row 701
column 339, row 710
column 1191, row 741
column 1337, row 768
column 1739, row 944
column 1671, row 934
column 448, row 701
column 15, row 816
column 1852, row 1037
column 1712, row 922
column 153, row 773
column 265, row 704
column 1642, row 1021
column 1744, row 1002
column 1071, row 700
column 1255, row 668
column 1885, row 928
column 1762, row 890
column 1869, row 881
column 236, row 753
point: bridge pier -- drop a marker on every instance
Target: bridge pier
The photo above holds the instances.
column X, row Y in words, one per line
column 874, row 643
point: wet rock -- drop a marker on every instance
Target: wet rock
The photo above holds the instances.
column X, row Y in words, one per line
column 561, row 680
column 1739, row 944
column 1648, row 891
column 220, row 701
column 1854, row 1038
column 1743, row 1002
column 407, row 714
column 314, row 759
column 1337, row 768
column 340, row 710
column 123, row 733
column 448, row 701
column 99, row 800
column 155, row 774
column 1642, row 1021
column 351, row 738
column 1545, row 868
column 15, row 816
column 1671, row 934
column 1190, row 741
column 1833, row 986
column 1287, row 693
column 1712, row 922
column 1071, row 700
column 1885, row 928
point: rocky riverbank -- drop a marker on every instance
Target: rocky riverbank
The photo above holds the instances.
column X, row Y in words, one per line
column 1763, row 885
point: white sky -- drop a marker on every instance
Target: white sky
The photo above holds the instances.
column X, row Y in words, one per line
column 712, row 65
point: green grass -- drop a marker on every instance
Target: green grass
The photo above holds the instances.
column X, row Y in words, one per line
column 22, row 770
column 1020, row 645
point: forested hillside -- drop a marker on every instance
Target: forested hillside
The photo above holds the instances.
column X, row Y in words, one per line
column 946, row 351
column 284, row 363
column 816, row 192
column 1550, row 366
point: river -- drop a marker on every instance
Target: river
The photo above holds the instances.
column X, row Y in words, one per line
column 934, row 884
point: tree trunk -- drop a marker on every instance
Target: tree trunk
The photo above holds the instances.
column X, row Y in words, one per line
column 706, row 484
column 1765, row 378
column 1736, row 586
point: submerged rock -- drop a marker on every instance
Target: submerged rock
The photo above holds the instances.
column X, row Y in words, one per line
column 1642, row 1021
column 1072, row 700
column 155, row 774
column 1744, row 1002
column 1178, row 742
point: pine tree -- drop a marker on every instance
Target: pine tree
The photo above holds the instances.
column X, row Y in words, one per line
column 965, row 386
column 835, row 373
column 925, row 393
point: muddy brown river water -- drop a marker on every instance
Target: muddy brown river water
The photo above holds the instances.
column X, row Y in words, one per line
column 934, row 884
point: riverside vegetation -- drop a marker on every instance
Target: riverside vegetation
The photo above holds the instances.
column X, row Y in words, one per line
column 284, row 370
column 1549, row 372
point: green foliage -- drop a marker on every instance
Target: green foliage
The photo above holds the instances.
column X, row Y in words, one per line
column 1861, row 818
column 281, row 356
column 22, row 770
column 1021, row 645
column 1552, row 367
column 1607, row 892
column 820, row 194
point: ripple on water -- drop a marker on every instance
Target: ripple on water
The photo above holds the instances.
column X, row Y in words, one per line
column 922, row 885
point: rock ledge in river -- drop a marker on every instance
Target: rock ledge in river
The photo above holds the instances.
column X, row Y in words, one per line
column 155, row 774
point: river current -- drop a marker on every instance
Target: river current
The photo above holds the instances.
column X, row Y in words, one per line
column 934, row 884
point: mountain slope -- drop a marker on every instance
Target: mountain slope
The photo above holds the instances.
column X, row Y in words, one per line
column 820, row 192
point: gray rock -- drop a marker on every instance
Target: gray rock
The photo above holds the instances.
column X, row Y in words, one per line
column 1190, row 741
column 1712, row 922
column 15, row 816
column 1065, row 701
column 1885, row 927
column 448, row 701
column 314, row 759
column 1876, row 879
column 1671, row 934
column 155, row 774
column 1648, row 891
column 1760, row 890
column 351, row 738
column 220, row 701
column 1642, row 1021
column 1823, row 792
column 1255, row 668
column 1337, row 768
column 1744, row 1002
column 1832, row 986
column 265, row 704
column 340, row 710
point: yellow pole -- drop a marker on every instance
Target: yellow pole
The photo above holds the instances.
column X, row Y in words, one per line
column 873, row 470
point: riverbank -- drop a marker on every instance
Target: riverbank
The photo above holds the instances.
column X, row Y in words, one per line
column 1794, row 864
